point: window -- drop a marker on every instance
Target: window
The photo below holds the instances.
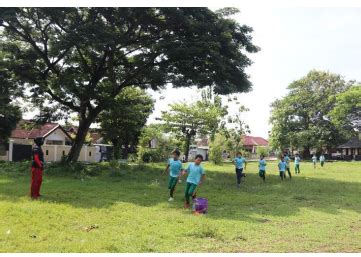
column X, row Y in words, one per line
column 54, row 142
column 90, row 153
column 63, row 153
column 47, row 152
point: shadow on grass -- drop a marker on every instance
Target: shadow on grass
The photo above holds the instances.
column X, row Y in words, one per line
column 144, row 186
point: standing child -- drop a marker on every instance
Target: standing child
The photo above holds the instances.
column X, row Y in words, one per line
column 37, row 168
column 239, row 161
column 174, row 166
column 262, row 167
column 287, row 161
column 314, row 160
column 196, row 176
column 297, row 164
column 322, row 160
column 282, row 167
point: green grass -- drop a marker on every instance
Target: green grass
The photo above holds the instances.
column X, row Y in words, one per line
column 318, row 211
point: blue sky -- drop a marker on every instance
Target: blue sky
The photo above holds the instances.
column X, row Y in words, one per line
column 293, row 42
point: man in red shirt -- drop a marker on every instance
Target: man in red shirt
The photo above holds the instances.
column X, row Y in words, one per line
column 37, row 168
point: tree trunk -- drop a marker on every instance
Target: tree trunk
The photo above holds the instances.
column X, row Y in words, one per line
column 306, row 152
column 125, row 151
column 116, row 150
column 188, row 142
column 84, row 125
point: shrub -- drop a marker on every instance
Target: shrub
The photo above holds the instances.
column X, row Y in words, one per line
column 216, row 149
column 261, row 150
column 150, row 155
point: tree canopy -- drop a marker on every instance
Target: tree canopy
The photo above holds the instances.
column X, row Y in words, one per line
column 191, row 119
column 347, row 111
column 10, row 114
column 121, row 124
column 82, row 58
column 301, row 118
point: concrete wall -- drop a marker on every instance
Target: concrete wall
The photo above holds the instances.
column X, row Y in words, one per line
column 4, row 157
column 53, row 153
column 23, row 141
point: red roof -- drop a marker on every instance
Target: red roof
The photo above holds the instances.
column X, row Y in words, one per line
column 33, row 131
column 254, row 141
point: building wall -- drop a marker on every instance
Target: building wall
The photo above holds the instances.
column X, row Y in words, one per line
column 57, row 135
column 54, row 153
column 5, row 157
column 22, row 141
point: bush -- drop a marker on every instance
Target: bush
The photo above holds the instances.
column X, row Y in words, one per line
column 216, row 149
column 261, row 150
column 150, row 155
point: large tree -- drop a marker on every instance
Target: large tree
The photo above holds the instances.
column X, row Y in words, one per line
column 10, row 114
column 122, row 122
column 301, row 118
column 347, row 111
column 82, row 58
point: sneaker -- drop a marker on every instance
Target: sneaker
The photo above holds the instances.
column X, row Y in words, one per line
column 171, row 199
column 238, row 186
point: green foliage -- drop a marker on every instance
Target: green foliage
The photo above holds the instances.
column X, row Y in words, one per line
column 150, row 155
column 122, row 122
column 82, row 58
column 10, row 114
column 262, row 150
column 165, row 144
column 347, row 111
column 201, row 118
column 301, row 118
column 216, row 149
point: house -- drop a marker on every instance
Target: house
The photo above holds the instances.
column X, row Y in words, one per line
column 351, row 149
column 57, row 143
column 251, row 143
column 27, row 130
column 194, row 150
column 93, row 136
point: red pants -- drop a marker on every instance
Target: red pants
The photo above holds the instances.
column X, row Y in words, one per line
column 36, row 179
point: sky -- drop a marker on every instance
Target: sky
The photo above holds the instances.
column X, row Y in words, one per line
column 293, row 41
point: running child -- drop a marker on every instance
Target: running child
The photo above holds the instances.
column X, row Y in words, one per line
column 314, row 160
column 287, row 161
column 262, row 167
column 297, row 163
column 282, row 167
column 239, row 161
column 196, row 176
column 322, row 160
column 174, row 167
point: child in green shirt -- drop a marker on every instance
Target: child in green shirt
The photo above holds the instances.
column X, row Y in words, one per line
column 174, row 167
column 196, row 176
column 262, row 167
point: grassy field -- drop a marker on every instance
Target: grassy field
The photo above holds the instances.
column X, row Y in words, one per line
column 317, row 211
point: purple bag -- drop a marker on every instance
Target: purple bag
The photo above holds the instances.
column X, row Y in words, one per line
column 200, row 205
